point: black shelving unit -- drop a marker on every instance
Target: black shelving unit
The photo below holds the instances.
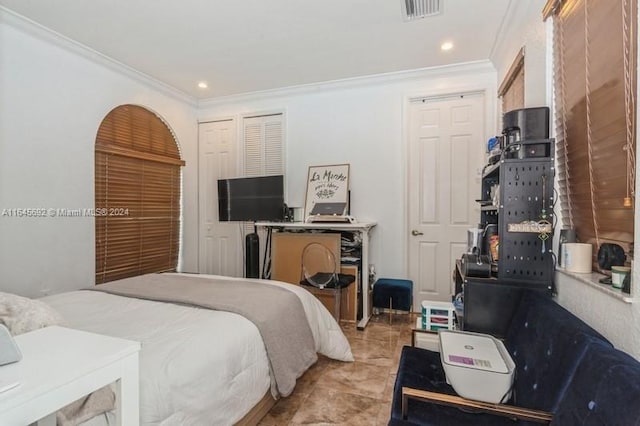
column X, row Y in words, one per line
column 490, row 179
column 523, row 181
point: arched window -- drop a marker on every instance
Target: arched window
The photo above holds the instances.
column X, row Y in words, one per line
column 137, row 194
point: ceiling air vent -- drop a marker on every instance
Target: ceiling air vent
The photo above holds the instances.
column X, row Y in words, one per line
column 416, row 9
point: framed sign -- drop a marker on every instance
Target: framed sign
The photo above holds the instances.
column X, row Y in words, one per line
column 327, row 190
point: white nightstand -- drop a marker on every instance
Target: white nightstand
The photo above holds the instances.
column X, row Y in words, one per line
column 60, row 365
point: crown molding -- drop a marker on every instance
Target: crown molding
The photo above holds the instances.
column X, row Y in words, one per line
column 41, row 32
column 507, row 22
column 484, row 66
column 517, row 13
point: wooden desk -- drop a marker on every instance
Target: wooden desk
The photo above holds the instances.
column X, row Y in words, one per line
column 349, row 296
column 60, row 365
column 287, row 249
column 364, row 229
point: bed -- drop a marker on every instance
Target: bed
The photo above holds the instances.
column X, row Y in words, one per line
column 197, row 366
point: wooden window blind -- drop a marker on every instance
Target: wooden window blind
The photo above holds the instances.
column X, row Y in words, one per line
column 137, row 195
column 595, row 81
column 511, row 91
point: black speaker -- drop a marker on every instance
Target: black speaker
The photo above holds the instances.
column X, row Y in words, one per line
column 526, row 124
column 610, row 255
column 473, row 265
column 252, row 256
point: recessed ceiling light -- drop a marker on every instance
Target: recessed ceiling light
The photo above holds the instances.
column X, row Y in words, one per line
column 447, row 45
column 203, row 85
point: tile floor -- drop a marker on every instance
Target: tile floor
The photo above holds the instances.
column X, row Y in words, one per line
column 356, row 393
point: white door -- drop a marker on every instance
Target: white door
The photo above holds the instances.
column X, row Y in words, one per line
column 446, row 139
column 220, row 242
column 263, row 145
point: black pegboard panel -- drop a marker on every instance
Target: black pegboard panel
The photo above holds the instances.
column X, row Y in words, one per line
column 526, row 194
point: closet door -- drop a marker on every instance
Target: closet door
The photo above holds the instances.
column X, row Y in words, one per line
column 263, row 145
column 263, row 140
column 220, row 242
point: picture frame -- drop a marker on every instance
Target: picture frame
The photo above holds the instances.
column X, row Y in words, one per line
column 327, row 190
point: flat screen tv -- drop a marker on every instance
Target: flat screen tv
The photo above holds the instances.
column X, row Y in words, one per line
column 251, row 199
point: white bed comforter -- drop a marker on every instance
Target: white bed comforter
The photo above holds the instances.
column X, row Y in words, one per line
column 197, row 366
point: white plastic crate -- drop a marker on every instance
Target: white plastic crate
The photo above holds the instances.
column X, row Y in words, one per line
column 437, row 315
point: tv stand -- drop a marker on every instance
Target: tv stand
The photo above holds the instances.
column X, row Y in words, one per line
column 362, row 228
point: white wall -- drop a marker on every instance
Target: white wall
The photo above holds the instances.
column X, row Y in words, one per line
column 523, row 27
column 360, row 122
column 616, row 320
column 52, row 100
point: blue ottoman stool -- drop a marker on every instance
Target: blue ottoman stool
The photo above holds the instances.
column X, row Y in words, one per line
column 393, row 294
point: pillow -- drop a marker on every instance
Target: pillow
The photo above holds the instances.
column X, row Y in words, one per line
column 21, row 314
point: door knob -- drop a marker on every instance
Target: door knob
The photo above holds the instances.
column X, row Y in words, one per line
column 416, row 233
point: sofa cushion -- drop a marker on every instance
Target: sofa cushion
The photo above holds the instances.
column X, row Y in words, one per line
column 546, row 342
column 605, row 390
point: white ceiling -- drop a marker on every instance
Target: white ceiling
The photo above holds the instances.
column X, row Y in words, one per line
column 252, row 45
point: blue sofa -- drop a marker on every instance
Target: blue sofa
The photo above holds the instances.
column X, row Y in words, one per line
column 566, row 374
